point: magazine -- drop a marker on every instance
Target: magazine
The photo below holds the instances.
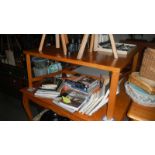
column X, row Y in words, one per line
column 50, row 88
column 71, row 99
column 51, row 84
column 83, row 83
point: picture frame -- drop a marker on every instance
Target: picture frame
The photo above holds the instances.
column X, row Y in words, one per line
column 104, row 38
column 106, row 44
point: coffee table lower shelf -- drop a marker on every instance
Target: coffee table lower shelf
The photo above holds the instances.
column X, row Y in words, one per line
column 122, row 104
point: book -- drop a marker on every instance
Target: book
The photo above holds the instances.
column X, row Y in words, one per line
column 96, row 97
column 96, row 101
column 103, row 75
column 98, row 106
column 101, row 103
column 87, row 81
column 83, row 83
column 71, row 99
column 51, row 84
column 46, row 93
column 89, row 102
column 49, row 88
column 56, row 101
column 49, row 96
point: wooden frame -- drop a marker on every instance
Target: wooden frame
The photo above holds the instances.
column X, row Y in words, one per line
column 99, row 38
column 123, row 50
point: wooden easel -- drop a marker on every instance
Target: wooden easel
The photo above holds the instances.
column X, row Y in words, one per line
column 92, row 40
column 64, row 40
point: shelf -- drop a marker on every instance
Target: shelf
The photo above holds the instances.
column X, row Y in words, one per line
column 122, row 104
column 94, row 59
column 47, row 103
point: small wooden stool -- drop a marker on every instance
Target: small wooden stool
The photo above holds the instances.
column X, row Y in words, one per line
column 64, row 40
column 139, row 112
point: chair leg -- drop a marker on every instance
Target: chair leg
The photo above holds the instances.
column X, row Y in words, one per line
column 64, row 44
column 42, row 43
column 113, row 46
column 92, row 42
column 83, row 45
column 57, row 40
column 66, row 38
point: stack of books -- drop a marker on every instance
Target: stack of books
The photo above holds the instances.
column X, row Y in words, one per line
column 84, row 94
column 78, row 92
column 71, row 100
column 50, row 88
column 94, row 103
column 82, row 83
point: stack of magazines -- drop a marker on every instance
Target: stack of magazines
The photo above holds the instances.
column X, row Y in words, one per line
column 78, row 98
column 94, row 103
column 88, row 104
column 49, row 88
column 73, row 101
column 82, row 83
column 78, row 92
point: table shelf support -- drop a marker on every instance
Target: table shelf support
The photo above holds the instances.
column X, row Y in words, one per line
column 112, row 95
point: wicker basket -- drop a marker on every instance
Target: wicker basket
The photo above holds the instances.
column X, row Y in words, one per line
column 148, row 64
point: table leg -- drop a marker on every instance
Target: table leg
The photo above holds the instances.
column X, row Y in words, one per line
column 112, row 95
column 27, row 107
column 92, row 42
column 29, row 71
column 134, row 64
